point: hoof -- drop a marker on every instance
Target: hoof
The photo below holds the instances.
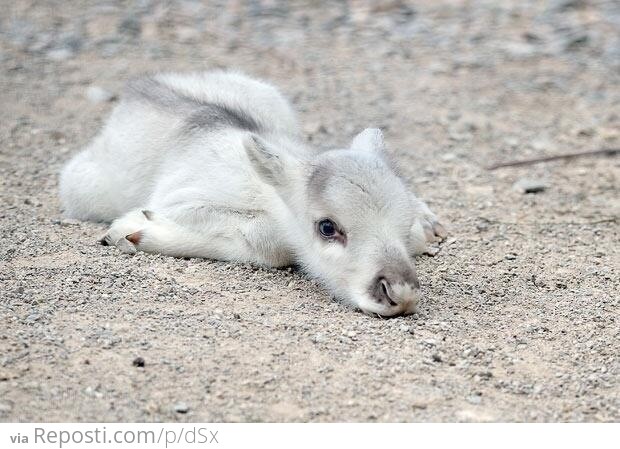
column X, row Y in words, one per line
column 134, row 237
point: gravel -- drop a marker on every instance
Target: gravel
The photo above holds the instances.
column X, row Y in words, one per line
column 98, row 94
column 519, row 320
column 526, row 185
column 60, row 54
column 181, row 407
column 138, row 362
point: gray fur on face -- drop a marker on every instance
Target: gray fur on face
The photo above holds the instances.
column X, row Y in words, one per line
column 336, row 170
column 342, row 174
column 398, row 269
column 199, row 114
column 318, row 180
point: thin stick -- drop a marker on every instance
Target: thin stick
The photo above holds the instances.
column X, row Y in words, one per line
column 605, row 151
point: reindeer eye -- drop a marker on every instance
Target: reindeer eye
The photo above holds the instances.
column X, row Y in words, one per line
column 327, row 228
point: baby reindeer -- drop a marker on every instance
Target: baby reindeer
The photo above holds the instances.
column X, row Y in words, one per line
column 213, row 165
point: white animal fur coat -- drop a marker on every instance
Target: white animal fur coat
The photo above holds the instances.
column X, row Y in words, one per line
column 213, row 165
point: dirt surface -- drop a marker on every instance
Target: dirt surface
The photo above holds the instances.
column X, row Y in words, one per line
column 520, row 316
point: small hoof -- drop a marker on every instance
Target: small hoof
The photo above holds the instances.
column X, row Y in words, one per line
column 440, row 231
column 134, row 237
column 105, row 240
column 432, row 251
column 126, row 246
column 434, row 231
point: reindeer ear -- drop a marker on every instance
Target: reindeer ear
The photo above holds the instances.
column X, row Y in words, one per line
column 264, row 159
column 371, row 139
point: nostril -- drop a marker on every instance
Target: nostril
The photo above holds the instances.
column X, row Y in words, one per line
column 384, row 287
column 385, row 291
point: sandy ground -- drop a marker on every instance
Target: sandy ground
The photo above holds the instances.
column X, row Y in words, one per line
column 520, row 316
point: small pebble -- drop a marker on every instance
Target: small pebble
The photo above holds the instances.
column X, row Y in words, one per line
column 447, row 157
column 69, row 222
column 474, row 399
column 181, row 407
column 60, row 54
column 138, row 362
column 526, row 185
column 98, row 94
column 318, row 338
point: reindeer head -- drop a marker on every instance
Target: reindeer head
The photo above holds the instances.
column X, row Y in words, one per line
column 348, row 217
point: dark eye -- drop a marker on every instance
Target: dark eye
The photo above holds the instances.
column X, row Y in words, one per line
column 327, row 228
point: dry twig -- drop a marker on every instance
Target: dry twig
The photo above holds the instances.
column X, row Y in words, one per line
column 604, row 151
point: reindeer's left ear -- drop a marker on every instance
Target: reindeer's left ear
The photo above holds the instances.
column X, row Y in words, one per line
column 264, row 159
column 371, row 139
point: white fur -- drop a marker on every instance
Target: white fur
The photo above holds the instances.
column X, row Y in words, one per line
column 254, row 195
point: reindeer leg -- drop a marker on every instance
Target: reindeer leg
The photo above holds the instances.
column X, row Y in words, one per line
column 426, row 229
column 235, row 238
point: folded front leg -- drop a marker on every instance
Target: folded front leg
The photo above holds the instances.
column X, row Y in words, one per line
column 217, row 236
